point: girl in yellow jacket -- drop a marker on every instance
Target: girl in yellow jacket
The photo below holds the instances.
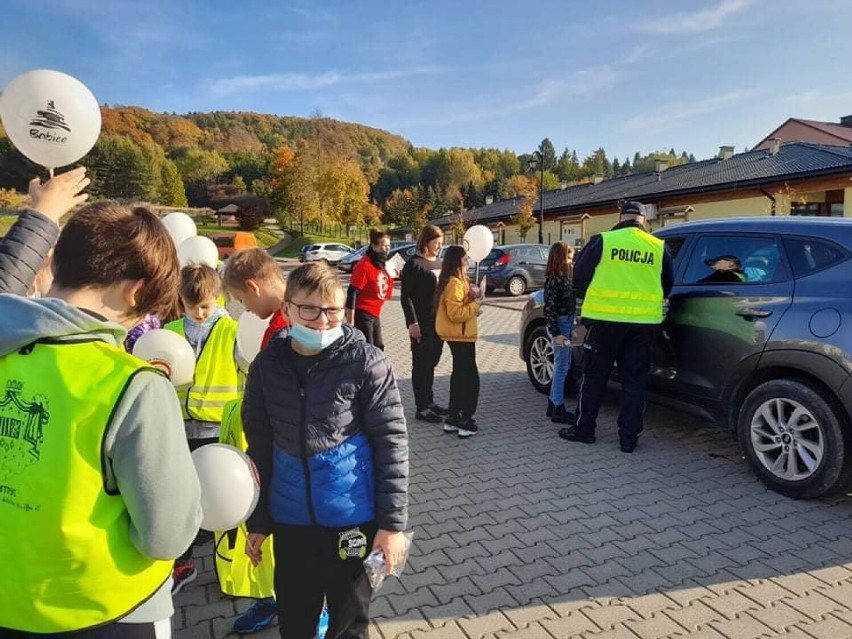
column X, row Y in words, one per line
column 457, row 306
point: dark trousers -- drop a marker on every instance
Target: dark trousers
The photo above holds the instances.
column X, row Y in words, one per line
column 464, row 382
column 371, row 326
column 203, row 535
column 308, row 568
column 631, row 346
column 425, row 355
column 109, row 631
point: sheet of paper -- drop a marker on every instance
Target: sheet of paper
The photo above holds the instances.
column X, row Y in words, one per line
column 394, row 266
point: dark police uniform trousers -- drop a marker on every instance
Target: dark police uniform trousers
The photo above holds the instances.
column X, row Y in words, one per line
column 630, row 345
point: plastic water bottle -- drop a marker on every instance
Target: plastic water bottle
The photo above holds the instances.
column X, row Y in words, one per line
column 322, row 626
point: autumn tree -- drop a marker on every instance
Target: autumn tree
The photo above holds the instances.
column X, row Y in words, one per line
column 524, row 218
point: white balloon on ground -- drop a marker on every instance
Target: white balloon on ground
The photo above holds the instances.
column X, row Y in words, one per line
column 169, row 352
column 198, row 250
column 230, row 486
column 50, row 117
column 478, row 242
column 180, row 227
column 250, row 330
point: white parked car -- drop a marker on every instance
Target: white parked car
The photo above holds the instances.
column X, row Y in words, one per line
column 331, row 253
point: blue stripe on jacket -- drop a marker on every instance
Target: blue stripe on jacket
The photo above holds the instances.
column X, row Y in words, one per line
column 342, row 486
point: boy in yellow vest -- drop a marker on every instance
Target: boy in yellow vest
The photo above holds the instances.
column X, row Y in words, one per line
column 99, row 492
column 212, row 333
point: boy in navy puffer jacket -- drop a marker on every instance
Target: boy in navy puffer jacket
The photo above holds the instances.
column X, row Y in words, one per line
column 326, row 429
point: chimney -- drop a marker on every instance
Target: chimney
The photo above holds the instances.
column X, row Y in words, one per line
column 597, row 178
column 660, row 166
column 774, row 146
column 489, row 199
column 725, row 152
column 846, row 120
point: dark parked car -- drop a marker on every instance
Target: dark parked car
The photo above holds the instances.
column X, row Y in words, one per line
column 348, row 262
column 757, row 337
column 515, row 267
column 406, row 251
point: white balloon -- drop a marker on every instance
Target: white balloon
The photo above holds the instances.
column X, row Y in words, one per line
column 198, row 250
column 180, row 226
column 50, row 117
column 230, row 486
column 478, row 242
column 169, row 352
column 250, row 330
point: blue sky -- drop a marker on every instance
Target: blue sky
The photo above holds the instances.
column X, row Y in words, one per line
column 627, row 75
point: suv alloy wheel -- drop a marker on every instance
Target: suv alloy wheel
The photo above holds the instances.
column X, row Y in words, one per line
column 795, row 438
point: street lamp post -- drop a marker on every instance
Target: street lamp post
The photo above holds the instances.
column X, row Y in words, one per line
column 536, row 160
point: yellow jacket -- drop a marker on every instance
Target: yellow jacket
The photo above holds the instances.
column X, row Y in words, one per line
column 455, row 317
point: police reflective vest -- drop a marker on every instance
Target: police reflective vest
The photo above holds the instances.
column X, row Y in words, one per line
column 238, row 577
column 67, row 559
column 217, row 380
column 626, row 286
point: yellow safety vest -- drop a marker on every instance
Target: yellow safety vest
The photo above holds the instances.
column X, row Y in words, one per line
column 237, row 576
column 217, row 380
column 626, row 286
column 67, row 559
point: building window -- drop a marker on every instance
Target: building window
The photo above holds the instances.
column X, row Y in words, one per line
column 799, row 208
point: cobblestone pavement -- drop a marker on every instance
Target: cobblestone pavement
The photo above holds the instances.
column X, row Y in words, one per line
column 520, row 534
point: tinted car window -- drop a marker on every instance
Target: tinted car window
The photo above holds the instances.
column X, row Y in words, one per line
column 493, row 255
column 732, row 259
column 673, row 245
column 808, row 255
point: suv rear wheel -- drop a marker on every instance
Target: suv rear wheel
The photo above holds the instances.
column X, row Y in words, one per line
column 516, row 285
column 795, row 439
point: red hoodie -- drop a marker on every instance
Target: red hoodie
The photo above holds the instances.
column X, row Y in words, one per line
column 276, row 323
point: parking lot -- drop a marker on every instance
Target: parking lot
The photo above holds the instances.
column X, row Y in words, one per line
column 519, row 533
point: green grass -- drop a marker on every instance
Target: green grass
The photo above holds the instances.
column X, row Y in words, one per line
column 6, row 222
column 292, row 251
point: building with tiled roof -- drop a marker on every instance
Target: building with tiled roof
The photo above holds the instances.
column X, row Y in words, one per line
column 798, row 178
column 798, row 130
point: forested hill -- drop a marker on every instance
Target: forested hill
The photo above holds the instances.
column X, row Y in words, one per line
column 316, row 168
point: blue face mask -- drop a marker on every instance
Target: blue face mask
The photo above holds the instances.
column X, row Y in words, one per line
column 314, row 340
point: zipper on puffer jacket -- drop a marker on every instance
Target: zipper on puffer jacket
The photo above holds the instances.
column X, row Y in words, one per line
column 303, row 440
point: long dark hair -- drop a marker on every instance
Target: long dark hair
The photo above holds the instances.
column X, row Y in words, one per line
column 451, row 265
column 557, row 261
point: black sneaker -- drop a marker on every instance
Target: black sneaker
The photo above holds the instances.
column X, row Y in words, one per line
column 452, row 424
column 468, row 428
column 573, row 435
column 428, row 415
column 439, row 410
column 562, row 416
column 627, row 446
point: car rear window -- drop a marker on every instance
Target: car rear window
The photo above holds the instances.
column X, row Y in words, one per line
column 809, row 255
column 493, row 255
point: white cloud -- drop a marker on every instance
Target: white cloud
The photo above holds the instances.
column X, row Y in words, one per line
column 679, row 113
column 696, row 21
column 308, row 82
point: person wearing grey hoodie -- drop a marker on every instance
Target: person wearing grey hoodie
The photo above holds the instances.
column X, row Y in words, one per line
column 26, row 246
column 112, row 265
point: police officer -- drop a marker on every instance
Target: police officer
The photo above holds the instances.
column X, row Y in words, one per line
column 623, row 276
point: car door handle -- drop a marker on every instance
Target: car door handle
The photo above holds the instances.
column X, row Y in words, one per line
column 524, row 263
column 753, row 312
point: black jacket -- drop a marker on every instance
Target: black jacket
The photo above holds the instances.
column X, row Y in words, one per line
column 290, row 414
column 23, row 250
column 590, row 257
column 418, row 292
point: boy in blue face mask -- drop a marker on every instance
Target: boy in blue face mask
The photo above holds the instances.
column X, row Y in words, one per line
column 326, row 430
column 212, row 333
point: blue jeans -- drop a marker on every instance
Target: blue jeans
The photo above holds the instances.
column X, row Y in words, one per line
column 561, row 360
